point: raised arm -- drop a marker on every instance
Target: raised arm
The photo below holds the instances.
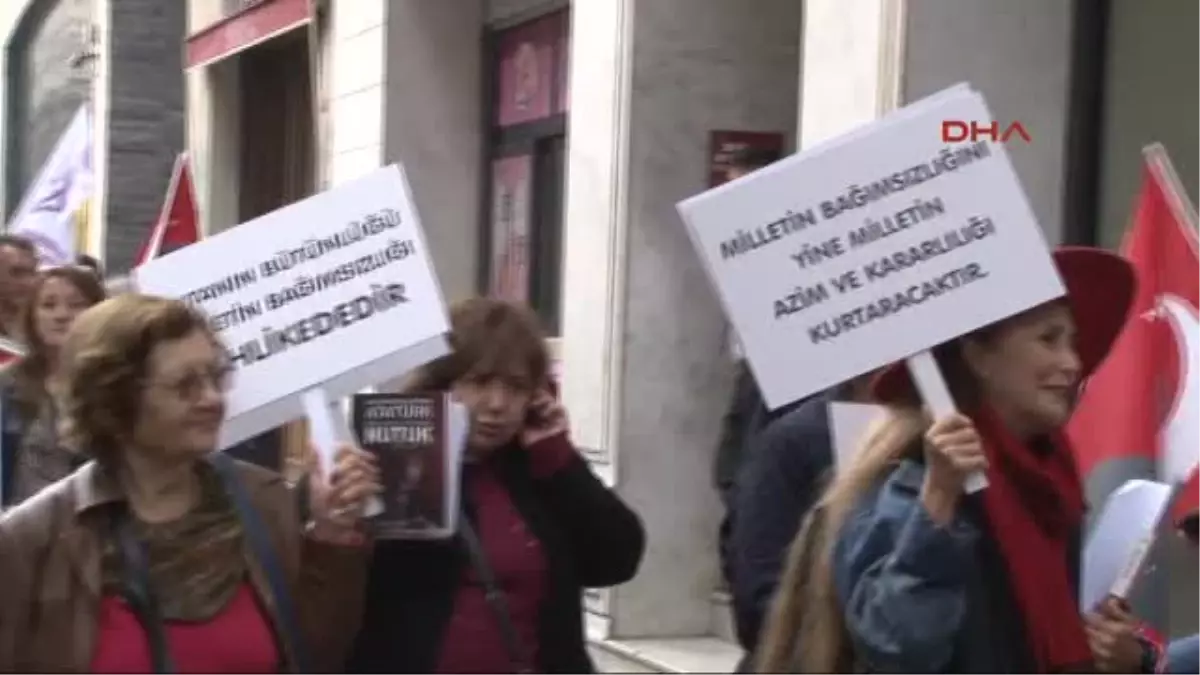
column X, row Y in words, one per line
column 901, row 579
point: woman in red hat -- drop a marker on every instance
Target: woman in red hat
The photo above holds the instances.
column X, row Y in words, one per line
column 899, row 570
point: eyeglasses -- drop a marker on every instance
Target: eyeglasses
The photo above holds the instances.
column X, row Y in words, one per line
column 190, row 386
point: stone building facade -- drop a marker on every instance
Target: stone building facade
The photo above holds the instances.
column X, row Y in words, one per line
column 121, row 57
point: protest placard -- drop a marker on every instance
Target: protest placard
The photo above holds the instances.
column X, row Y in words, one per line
column 849, row 424
column 337, row 292
column 871, row 249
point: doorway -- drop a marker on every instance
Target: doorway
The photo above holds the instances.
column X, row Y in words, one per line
column 277, row 167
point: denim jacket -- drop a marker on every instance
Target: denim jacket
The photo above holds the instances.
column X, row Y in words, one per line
column 922, row 597
column 918, row 597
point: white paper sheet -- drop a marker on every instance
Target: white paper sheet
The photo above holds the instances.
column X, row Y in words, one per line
column 848, row 423
column 1121, row 540
column 327, row 429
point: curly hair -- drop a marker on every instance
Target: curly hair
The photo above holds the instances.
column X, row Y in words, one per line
column 489, row 338
column 30, row 372
column 104, row 366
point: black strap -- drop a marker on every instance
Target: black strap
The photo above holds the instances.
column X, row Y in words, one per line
column 139, row 593
column 264, row 552
column 494, row 595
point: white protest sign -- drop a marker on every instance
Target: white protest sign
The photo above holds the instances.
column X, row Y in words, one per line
column 869, row 250
column 848, row 425
column 336, row 292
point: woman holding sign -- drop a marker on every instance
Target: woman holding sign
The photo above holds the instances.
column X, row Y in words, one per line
column 900, row 571
column 160, row 555
column 538, row 527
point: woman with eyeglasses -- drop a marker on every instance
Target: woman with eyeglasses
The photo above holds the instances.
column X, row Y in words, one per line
column 160, row 555
column 32, row 455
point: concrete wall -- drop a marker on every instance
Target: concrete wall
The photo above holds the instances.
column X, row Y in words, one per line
column 1150, row 95
column 1017, row 53
column 646, row 375
column 434, row 126
column 10, row 12
column 145, row 118
column 46, row 89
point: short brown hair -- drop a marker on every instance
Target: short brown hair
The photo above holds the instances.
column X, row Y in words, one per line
column 489, row 338
column 104, row 362
column 29, row 373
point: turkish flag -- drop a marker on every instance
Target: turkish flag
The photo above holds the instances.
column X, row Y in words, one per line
column 1142, row 406
column 179, row 223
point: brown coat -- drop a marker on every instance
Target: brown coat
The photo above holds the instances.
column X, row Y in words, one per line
column 50, row 587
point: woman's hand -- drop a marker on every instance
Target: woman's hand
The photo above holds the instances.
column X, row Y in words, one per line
column 337, row 505
column 1112, row 633
column 953, row 450
column 547, row 417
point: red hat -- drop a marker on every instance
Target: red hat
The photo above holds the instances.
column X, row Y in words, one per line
column 1100, row 288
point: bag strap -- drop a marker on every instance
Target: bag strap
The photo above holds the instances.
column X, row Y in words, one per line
column 494, row 595
column 264, row 552
column 138, row 592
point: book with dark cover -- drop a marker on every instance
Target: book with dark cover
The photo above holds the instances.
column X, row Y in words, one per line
column 412, row 439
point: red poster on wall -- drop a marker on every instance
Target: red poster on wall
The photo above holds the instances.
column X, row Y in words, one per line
column 724, row 146
column 511, row 182
column 531, row 70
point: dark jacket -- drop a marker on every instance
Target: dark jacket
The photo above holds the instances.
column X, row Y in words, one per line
column 782, row 479
column 746, row 418
column 590, row 538
column 12, row 429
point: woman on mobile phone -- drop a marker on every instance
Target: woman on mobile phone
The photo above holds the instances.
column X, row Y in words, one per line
column 505, row 594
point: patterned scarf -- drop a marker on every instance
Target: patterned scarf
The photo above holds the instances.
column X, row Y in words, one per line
column 197, row 562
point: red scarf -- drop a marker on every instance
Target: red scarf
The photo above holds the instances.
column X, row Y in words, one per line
column 1034, row 503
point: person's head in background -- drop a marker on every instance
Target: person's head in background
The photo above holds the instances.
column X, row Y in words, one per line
column 497, row 366
column 59, row 295
column 85, row 260
column 18, row 274
column 747, row 160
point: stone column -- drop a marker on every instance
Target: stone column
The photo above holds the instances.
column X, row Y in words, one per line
column 646, row 375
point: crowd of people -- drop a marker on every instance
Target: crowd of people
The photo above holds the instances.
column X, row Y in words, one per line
column 888, row 564
column 128, row 545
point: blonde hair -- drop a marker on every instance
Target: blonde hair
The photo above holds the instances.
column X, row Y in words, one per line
column 104, row 364
column 805, row 631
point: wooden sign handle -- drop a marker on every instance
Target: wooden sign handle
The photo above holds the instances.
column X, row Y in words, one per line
column 932, row 386
column 327, row 428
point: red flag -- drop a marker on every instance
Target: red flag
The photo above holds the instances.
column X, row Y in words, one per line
column 1142, row 403
column 10, row 351
column 179, row 223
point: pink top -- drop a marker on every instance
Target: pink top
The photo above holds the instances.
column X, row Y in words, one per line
column 473, row 642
